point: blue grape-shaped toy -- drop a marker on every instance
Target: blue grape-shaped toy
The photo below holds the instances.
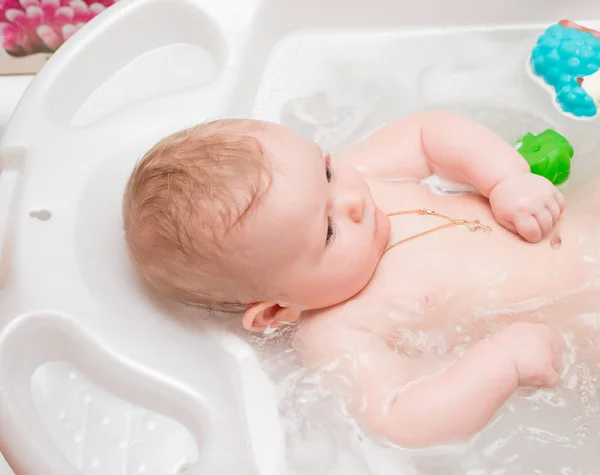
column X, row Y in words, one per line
column 567, row 58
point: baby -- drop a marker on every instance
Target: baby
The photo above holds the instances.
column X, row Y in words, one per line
column 250, row 217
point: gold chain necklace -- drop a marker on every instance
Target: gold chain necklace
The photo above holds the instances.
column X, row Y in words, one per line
column 472, row 226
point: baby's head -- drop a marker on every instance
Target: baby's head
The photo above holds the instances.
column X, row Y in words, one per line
column 248, row 216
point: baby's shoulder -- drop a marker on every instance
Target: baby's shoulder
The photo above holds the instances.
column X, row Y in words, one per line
column 327, row 334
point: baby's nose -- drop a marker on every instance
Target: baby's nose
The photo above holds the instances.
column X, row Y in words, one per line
column 356, row 206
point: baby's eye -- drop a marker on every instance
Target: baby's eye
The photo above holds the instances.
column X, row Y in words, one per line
column 329, row 173
column 330, row 231
column 328, row 168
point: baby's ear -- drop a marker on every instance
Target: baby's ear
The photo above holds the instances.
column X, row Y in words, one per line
column 268, row 314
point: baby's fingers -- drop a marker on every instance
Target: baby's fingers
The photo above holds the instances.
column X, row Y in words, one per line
column 545, row 221
column 558, row 348
column 560, row 199
column 554, row 209
column 509, row 225
column 528, row 227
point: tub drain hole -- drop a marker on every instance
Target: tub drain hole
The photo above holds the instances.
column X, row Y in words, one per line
column 41, row 214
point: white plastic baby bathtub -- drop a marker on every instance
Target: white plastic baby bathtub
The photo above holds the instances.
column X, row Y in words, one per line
column 97, row 376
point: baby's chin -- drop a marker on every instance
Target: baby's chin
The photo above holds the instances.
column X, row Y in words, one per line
column 367, row 275
column 341, row 294
column 353, row 280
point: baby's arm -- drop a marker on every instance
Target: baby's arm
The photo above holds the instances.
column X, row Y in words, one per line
column 457, row 402
column 459, row 149
column 441, row 142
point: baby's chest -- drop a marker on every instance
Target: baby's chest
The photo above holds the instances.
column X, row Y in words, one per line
column 439, row 282
column 419, row 281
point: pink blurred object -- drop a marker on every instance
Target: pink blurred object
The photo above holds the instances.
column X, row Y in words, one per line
column 41, row 26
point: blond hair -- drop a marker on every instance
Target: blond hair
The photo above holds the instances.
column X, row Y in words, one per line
column 182, row 199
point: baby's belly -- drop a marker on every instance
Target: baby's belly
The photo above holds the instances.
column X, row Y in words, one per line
column 455, row 270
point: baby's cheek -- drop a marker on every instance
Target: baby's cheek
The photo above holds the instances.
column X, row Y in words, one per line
column 367, row 254
column 360, row 264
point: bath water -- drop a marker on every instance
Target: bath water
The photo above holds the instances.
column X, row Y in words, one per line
column 336, row 88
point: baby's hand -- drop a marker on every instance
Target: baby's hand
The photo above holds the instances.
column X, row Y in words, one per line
column 527, row 204
column 536, row 350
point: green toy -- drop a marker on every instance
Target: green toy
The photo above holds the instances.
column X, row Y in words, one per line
column 549, row 154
